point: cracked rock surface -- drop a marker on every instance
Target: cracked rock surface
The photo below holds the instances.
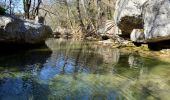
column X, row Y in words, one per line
column 20, row 31
column 151, row 16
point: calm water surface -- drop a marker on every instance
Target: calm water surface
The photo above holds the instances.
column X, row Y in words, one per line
column 82, row 71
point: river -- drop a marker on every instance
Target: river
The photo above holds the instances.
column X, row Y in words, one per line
column 82, row 71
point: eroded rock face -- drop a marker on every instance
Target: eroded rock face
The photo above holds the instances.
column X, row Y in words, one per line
column 156, row 16
column 128, row 15
column 153, row 16
column 20, row 31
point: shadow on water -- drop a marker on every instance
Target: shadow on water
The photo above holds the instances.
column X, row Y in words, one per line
column 13, row 48
column 23, row 56
column 81, row 72
column 18, row 66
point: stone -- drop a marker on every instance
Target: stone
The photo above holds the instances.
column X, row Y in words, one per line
column 16, row 30
column 137, row 35
column 151, row 16
column 39, row 19
column 156, row 16
column 128, row 15
column 108, row 30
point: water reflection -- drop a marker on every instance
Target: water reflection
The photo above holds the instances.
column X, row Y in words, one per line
column 22, row 89
column 76, row 71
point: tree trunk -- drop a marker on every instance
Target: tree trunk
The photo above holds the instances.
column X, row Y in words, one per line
column 81, row 24
column 38, row 6
column 68, row 13
column 10, row 7
column 27, row 5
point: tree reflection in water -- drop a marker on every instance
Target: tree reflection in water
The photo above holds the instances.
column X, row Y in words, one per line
column 82, row 71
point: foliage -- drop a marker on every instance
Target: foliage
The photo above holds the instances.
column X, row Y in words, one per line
column 89, row 15
column 2, row 11
column 83, row 17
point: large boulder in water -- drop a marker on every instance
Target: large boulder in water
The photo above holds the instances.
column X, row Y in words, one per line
column 15, row 30
column 152, row 16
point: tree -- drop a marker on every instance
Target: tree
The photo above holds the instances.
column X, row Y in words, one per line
column 31, row 6
column 2, row 10
column 10, row 6
column 36, row 7
column 83, row 17
column 80, row 20
column 27, row 5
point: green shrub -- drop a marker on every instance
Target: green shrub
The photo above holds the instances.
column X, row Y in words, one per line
column 2, row 11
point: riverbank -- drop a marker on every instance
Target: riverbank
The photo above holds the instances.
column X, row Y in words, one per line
column 129, row 48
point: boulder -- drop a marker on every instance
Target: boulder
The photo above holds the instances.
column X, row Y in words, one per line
column 156, row 20
column 15, row 30
column 151, row 16
column 137, row 35
column 108, row 30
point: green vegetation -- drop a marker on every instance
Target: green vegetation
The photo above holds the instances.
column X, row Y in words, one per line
column 2, row 10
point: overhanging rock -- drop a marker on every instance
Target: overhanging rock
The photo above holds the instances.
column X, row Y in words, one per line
column 151, row 16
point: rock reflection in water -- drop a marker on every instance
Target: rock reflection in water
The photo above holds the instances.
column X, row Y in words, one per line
column 81, row 72
column 92, row 58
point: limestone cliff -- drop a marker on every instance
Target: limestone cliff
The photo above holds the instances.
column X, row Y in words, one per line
column 150, row 18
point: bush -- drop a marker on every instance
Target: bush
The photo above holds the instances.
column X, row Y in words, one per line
column 2, row 11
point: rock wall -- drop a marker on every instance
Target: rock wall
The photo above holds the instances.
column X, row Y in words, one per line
column 151, row 16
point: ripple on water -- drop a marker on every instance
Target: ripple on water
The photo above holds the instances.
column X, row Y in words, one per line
column 90, row 73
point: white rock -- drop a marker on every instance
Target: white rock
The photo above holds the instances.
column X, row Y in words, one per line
column 153, row 16
column 20, row 31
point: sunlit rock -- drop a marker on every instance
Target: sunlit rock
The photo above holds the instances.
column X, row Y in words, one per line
column 137, row 35
column 156, row 16
column 19, row 31
column 152, row 16
column 128, row 15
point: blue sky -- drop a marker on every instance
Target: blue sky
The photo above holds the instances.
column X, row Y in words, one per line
column 17, row 4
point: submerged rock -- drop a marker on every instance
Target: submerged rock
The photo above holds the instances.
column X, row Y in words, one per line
column 151, row 16
column 14, row 30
